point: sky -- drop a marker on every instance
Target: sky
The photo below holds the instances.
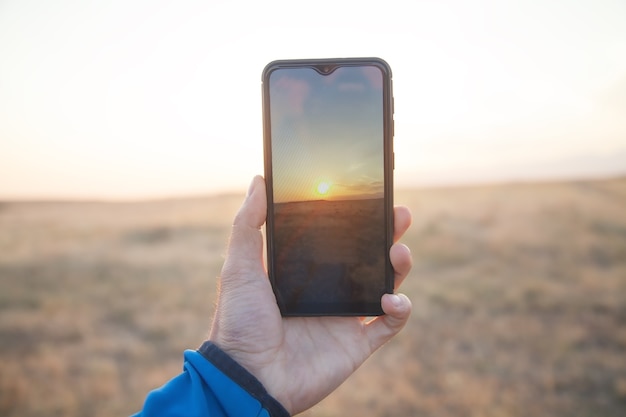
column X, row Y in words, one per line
column 327, row 136
column 144, row 99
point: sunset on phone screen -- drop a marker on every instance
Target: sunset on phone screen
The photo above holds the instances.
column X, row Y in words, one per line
column 325, row 127
column 329, row 213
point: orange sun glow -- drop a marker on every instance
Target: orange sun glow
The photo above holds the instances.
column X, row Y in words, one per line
column 323, row 187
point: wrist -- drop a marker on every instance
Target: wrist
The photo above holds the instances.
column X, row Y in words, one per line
column 237, row 373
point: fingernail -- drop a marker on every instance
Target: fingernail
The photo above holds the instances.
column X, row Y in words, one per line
column 396, row 300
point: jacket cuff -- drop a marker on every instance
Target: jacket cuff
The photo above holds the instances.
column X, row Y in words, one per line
column 242, row 377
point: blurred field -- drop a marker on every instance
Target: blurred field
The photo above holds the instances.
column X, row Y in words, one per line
column 519, row 296
column 331, row 250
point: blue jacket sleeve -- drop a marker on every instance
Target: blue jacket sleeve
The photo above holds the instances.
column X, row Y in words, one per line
column 212, row 384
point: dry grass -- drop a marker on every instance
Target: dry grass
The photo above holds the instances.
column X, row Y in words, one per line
column 519, row 296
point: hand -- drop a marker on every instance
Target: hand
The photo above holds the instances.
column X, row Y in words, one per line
column 299, row 360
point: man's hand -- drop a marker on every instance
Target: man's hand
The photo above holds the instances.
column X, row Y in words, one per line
column 299, row 360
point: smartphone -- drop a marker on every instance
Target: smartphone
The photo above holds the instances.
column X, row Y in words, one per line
column 328, row 150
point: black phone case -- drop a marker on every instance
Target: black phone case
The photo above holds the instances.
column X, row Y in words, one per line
column 322, row 308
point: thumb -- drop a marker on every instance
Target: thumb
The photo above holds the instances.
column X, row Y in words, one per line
column 245, row 247
column 254, row 209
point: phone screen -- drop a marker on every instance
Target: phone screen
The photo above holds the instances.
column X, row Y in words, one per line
column 328, row 147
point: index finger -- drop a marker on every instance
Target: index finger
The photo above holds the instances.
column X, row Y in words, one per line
column 401, row 221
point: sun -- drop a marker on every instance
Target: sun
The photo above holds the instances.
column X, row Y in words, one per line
column 323, row 187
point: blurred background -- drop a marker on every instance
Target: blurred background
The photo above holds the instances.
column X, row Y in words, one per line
column 129, row 131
